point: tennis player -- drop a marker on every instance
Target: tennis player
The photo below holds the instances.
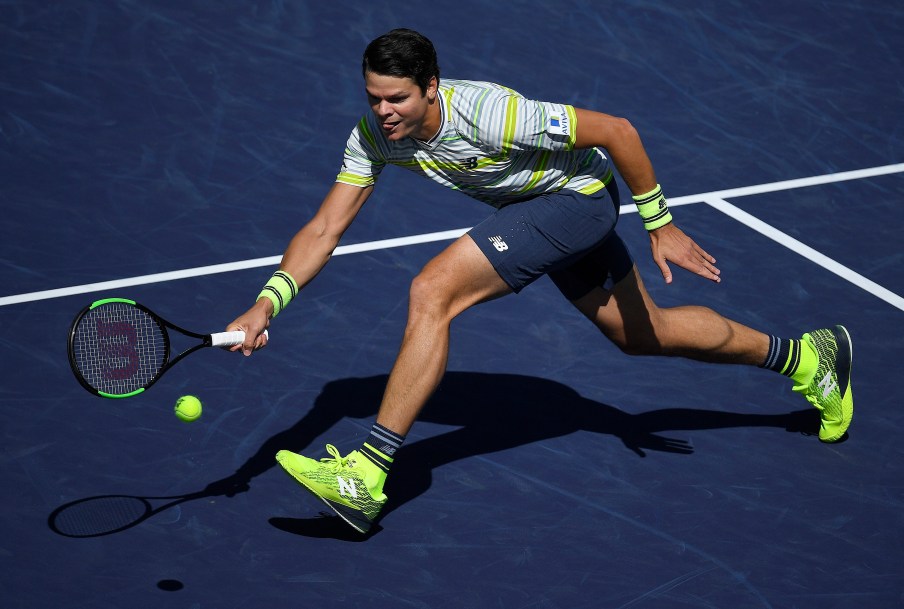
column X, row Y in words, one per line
column 546, row 169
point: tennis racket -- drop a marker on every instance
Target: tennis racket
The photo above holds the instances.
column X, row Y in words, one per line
column 119, row 348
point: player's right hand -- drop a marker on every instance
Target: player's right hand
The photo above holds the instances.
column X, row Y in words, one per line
column 253, row 323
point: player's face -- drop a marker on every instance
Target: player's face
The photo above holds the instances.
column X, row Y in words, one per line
column 401, row 108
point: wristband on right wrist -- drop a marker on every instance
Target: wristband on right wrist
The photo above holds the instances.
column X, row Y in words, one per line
column 653, row 209
column 280, row 290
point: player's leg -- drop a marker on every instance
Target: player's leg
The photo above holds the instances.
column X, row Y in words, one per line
column 819, row 363
column 628, row 316
column 458, row 278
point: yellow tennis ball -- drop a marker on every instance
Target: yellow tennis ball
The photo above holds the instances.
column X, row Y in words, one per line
column 188, row 408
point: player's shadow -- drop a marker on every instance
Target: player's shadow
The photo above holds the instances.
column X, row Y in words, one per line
column 492, row 413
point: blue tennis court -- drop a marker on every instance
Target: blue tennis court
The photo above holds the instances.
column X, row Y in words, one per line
column 166, row 152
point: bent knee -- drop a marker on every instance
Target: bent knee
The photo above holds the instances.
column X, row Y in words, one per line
column 428, row 295
column 642, row 336
column 640, row 343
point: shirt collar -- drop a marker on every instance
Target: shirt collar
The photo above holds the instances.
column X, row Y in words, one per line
column 431, row 143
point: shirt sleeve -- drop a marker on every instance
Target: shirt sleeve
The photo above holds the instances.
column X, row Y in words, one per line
column 362, row 161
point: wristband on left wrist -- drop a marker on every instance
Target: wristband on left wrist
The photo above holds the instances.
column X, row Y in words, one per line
column 653, row 209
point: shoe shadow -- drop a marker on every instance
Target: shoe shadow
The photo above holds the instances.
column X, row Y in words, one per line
column 325, row 526
column 492, row 413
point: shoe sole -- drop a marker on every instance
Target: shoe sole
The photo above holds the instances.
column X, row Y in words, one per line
column 844, row 362
column 349, row 515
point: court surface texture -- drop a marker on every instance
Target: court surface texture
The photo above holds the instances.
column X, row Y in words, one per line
column 167, row 151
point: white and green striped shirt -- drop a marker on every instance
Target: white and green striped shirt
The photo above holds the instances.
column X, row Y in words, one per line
column 493, row 145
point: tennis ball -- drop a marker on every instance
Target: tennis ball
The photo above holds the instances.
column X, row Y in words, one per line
column 188, row 408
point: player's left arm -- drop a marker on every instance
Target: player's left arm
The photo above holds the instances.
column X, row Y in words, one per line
column 624, row 146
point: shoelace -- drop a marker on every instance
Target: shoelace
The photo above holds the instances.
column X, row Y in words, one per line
column 336, row 461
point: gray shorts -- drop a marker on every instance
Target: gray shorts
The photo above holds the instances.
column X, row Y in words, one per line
column 567, row 235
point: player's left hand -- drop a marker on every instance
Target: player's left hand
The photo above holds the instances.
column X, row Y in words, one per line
column 670, row 244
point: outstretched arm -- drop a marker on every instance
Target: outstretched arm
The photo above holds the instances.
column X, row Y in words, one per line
column 307, row 253
column 621, row 140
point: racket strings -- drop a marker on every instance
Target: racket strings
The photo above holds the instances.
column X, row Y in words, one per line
column 119, row 348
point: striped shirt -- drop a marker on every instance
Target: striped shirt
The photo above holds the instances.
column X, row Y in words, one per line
column 493, row 145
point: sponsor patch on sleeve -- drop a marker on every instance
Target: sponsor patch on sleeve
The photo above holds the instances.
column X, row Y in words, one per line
column 559, row 124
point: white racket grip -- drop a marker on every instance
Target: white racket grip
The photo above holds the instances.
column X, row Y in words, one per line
column 229, row 339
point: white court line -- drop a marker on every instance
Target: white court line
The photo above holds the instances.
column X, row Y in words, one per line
column 806, row 251
column 828, row 178
column 439, row 236
column 223, row 268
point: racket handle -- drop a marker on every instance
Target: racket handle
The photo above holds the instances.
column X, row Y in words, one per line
column 229, row 339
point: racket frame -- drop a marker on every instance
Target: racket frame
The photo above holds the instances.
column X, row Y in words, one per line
column 207, row 340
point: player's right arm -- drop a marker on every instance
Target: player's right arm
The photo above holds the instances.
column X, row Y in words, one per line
column 305, row 256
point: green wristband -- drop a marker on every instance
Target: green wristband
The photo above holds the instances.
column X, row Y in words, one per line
column 653, row 209
column 281, row 289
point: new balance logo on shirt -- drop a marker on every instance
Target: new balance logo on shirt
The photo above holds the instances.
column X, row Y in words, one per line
column 469, row 163
column 498, row 243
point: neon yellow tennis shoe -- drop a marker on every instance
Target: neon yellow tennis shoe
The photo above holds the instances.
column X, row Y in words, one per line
column 351, row 486
column 830, row 388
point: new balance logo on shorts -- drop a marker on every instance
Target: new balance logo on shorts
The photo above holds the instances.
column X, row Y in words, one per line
column 498, row 243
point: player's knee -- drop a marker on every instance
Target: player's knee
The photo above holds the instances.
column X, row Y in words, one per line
column 641, row 336
column 427, row 297
column 639, row 343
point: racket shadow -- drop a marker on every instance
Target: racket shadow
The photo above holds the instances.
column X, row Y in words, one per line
column 107, row 514
column 102, row 515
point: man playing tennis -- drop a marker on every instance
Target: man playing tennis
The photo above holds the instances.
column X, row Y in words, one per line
column 546, row 168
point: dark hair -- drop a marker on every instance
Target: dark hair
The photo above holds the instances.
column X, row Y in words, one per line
column 403, row 53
